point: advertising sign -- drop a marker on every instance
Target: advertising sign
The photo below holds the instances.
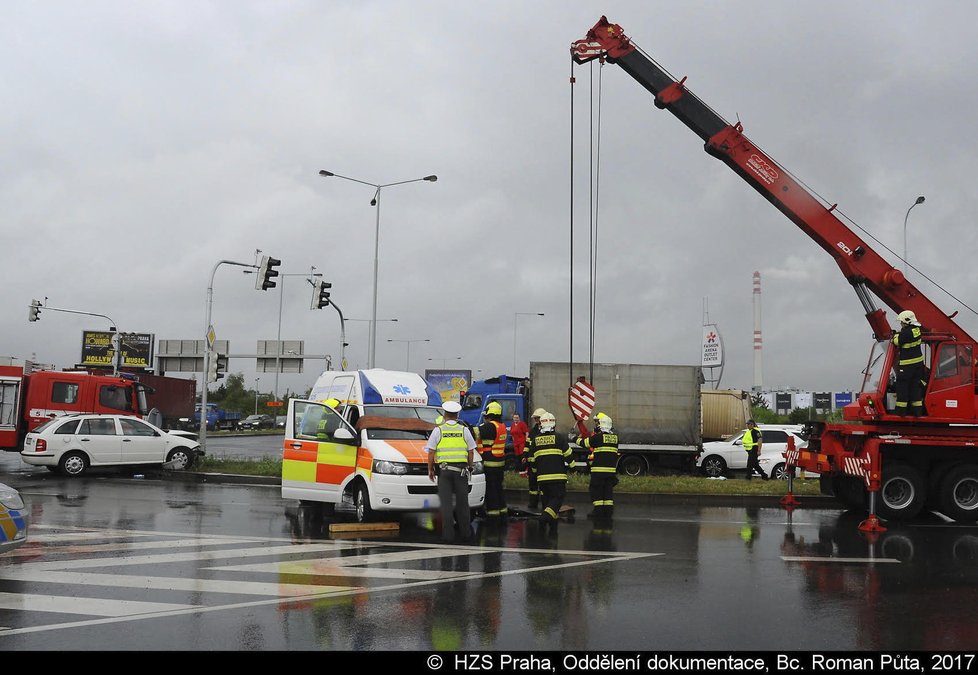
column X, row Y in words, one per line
column 712, row 347
column 98, row 351
column 823, row 402
column 782, row 402
column 449, row 383
column 843, row 398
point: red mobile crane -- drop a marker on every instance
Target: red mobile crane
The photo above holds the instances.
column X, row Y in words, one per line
column 894, row 466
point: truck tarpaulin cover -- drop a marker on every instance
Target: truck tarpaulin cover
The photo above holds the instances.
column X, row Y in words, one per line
column 658, row 404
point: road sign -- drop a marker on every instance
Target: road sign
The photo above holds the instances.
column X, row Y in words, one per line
column 211, row 336
column 274, row 404
column 581, row 399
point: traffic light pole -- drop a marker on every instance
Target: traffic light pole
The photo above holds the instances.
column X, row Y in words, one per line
column 202, row 434
column 113, row 327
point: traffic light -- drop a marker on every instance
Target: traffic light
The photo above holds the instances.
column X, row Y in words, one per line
column 212, row 367
column 35, row 311
column 267, row 273
column 320, row 294
column 222, row 366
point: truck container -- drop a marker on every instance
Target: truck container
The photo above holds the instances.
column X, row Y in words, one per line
column 175, row 398
column 725, row 412
column 655, row 408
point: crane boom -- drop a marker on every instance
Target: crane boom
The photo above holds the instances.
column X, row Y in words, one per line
column 860, row 264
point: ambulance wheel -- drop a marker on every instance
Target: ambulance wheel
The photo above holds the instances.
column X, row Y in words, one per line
column 361, row 502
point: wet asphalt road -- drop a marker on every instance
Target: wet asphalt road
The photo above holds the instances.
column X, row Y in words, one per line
column 120, row 563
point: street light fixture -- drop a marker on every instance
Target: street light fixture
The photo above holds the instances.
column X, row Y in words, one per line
column 516, row 315
column 444, row 362
column 372, row 353
column 256, row 394
column 906, row 264
column 407, row 367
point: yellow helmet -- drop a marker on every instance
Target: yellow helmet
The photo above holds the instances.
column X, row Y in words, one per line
column 494, row 409
column 332, row 403
column 604, row 422
column 907, row 318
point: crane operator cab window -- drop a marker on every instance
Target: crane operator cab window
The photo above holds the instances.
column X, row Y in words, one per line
column 954, row 366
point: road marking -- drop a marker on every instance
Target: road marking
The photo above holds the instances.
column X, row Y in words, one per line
column 291, row 561
column 790, row 558
column 91, row 606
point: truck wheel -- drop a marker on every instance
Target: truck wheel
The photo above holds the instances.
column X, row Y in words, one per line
column 73, row 464
column 901, row 497
column 959, row 494
column 361, row 501
column 632, row 465
column 714, row 466
column 849, row 490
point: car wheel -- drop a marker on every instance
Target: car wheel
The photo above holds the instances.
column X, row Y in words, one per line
column 779, row 472
column 181, row 458
column 714, row 466
column 73, row 464
column 959, row 494
column 361, row 502
column 901, row 496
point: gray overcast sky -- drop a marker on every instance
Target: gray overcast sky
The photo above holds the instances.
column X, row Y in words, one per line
column 144, row 142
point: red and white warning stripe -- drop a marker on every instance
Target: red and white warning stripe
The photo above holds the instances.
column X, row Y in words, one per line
column 857, row 466
column 581, row 399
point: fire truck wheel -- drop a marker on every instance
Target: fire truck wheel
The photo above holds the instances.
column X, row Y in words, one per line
column 959, row 494
column 901, row 497
column 849, row 490
column 73, row 464
column 361, row 500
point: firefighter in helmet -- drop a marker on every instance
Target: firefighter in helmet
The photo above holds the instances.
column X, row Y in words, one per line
column 491, row 435
column 603, row 462
column 551, row 457
column 910, row 366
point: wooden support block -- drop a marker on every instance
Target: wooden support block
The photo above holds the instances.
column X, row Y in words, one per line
column 363, row 527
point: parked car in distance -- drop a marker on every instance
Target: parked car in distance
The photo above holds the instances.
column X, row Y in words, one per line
column 257, row 422
column 74, row 443
column 13, row 519
column 719, row 457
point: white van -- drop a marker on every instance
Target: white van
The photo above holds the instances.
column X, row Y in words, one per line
column 369, row 451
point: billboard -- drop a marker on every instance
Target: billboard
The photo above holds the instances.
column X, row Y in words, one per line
column 843, row 398
column 136, row 348
column 712, row 347
column 449, row 382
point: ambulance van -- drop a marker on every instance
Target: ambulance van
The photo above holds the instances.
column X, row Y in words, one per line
column 359, row 442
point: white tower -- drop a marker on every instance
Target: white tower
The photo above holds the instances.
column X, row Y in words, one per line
column 758, row 377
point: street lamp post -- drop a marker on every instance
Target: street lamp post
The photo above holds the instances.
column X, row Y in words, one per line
column 516, row 315
column 408, row 366
column 906, row 264
column 256, row 394
column 372, row 353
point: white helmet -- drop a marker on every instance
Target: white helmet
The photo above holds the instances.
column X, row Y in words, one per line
column 547, row 422
column 907, row 318
column 604, row 422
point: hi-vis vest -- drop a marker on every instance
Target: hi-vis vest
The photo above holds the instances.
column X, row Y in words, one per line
column 494, row 449
column 750, row 439
column 452, row 448
column 909, row 343
column 604, row 450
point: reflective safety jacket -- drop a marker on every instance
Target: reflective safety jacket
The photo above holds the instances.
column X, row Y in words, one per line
column 604, row 451
column 551, row 455
column 452, row 448
column 752, row 437
column 492, row 436
column 908, row 340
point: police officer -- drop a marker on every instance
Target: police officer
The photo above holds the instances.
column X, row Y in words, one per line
column 551, row 457
column 603, row 459
column 528, row 464
column 492, row 437
column 450, row 448
column 752, row 444
column 910, row 366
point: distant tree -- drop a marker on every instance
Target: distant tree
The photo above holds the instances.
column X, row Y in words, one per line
column 802, row 415
column 764, row 415
column 757, row 400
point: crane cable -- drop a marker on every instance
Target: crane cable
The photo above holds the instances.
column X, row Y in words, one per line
column 570, row 358
column 595, row 192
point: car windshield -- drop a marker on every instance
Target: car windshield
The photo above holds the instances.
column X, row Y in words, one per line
column 427, row 413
